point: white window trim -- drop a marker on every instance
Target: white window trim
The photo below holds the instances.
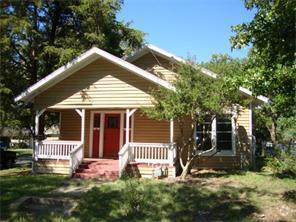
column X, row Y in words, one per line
column 214, row 152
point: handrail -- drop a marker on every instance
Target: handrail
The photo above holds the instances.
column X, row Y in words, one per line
column 76, row 157
column 124, row 157
column 163, row 153
column 60, row 141
column 55, row 149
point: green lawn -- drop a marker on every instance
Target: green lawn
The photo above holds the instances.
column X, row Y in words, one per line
column 17, row 182
column 208, row 196
column 22, row 151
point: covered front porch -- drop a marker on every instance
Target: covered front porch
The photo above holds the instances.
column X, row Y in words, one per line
column 124, row 135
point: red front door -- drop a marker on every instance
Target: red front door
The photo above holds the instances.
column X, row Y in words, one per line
column 111, row 135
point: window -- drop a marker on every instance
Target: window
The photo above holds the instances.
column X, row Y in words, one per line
column 97, row 120
column 204, row 134
column 216, row 133
column 113, row 122
column 224, row 133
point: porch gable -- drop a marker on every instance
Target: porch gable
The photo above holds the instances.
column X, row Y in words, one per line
column 100, row 84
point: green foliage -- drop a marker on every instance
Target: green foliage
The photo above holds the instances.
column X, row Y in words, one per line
column 133, row 197
column 37, row 37
column 224, row 64
column 282, row 164
column 196, row 96
column 261, row 126
column 287, row 129
column 272, row 65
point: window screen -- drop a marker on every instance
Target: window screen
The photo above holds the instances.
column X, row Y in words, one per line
column 97, row 120
column 204, row 134
column 224, row 133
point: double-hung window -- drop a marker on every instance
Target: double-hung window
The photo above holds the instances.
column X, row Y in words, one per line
column 217, row 133
column 204, row 134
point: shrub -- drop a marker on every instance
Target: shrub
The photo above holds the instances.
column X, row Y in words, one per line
column 134, row 197
column 283, row 163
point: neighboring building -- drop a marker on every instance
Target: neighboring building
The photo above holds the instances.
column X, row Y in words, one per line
column 98, row 92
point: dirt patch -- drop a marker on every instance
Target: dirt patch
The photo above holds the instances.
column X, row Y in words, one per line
column 40, row 205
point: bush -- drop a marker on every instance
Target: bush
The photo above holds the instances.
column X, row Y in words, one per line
column 134, row 197
column 283, row 163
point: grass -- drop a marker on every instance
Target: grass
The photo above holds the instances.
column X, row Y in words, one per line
column 18, row 182
column 22, row 151
column 208, row 196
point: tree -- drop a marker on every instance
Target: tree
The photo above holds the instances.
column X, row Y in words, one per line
column 196, row 96
column 272, row 65
column 39, row 36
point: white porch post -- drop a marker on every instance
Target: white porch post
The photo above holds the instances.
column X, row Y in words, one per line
column 129, row 113
column 37, row 116
column 82, row 116
column 83, row 126
column 81, row 113
column 171, row 131
column 127, row 126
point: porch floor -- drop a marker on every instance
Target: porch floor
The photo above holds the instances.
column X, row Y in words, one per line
column 101, row 169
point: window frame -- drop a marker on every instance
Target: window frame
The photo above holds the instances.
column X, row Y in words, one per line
column 214, row 152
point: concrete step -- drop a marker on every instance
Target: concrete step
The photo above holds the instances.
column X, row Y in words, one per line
column 98, row 169
column 108, row 176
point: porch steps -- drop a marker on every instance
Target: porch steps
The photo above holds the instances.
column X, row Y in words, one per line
column 102, row 169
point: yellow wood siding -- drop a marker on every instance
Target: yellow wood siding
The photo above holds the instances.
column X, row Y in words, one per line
column 70, row 128
column 100, row 85
column 147, row 171
column 52, row 166
column 243, row 119
column 147, row 130
column 218, row 162
column 242, row 146
column 164, row 73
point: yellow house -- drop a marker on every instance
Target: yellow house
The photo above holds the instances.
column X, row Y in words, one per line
column 102, row 129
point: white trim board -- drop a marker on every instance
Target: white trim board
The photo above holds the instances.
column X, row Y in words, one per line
column 80, row 62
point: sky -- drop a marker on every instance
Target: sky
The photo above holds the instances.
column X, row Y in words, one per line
column 188, row 28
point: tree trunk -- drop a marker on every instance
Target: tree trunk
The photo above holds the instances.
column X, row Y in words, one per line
column 185, row 169
column 273, row 131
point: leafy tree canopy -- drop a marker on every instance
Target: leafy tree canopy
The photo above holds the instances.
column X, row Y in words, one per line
column 39, row 36
column 272, row 65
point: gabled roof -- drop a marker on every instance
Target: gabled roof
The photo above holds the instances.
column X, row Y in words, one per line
column 80, row 62
column 171, row 57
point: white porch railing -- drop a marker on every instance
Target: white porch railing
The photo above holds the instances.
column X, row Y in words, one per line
column 151, row 152
column 162, row 153
column 59, row 149
column 124, row 155
column 76, row 157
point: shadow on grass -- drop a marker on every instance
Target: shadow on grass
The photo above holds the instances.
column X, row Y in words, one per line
column 216, row 174
column 17, row 185
column 289, row 175
column 165, row 201
column 290, row 196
